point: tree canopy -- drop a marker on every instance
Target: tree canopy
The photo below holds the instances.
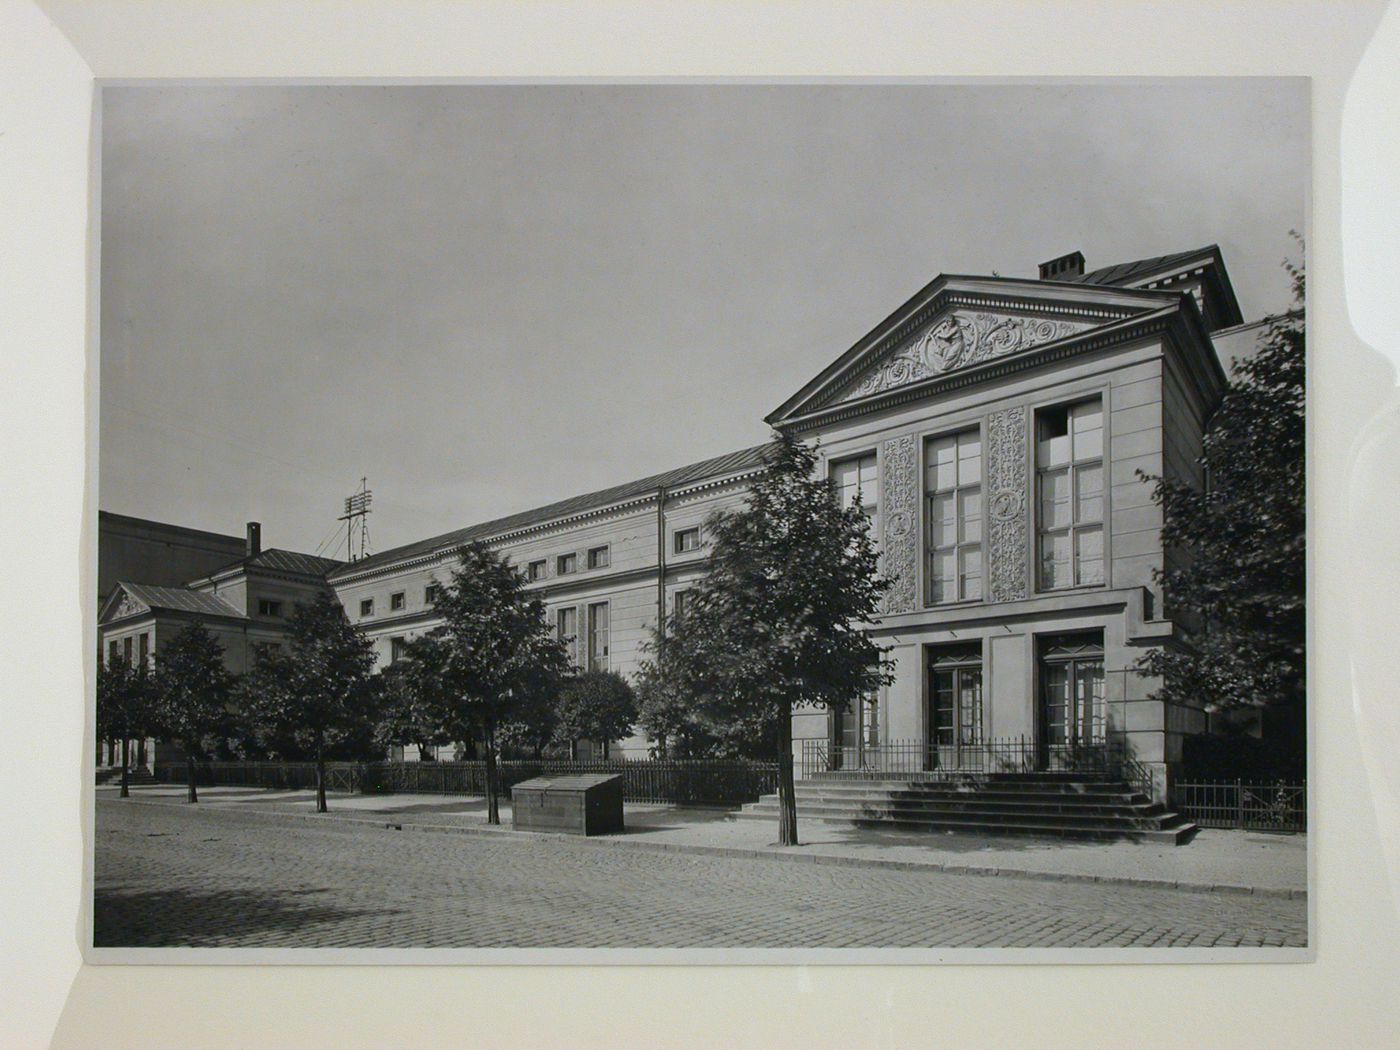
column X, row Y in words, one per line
column 1242, row 582
column 193, row 689
column 596, row 705
column 321, row 691
column 494, row 653
column 126, row 707
column 779, row 619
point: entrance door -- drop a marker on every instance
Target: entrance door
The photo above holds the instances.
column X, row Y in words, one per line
column 955, row 706
column 1072, row 714
column 855, row 734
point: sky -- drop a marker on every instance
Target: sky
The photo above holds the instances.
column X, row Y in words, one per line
column 487, row 298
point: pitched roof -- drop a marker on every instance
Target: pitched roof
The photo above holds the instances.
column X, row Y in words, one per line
column 1123, row 273
column 180, row 599
column 279, row 560
column 731, row 463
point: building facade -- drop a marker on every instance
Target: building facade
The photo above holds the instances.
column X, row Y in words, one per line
column 1001, row 434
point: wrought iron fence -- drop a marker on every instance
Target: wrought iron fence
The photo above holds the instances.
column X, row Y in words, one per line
column 1278, row 806
column 665, row 781
column 1008, row 755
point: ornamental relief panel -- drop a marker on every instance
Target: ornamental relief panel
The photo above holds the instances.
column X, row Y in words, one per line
column 129, row 607
column 1008, row 490
column 959, row 339
column 899, row 475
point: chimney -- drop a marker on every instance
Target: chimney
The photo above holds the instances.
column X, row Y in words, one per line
column 254, row 545
column 1063, row 268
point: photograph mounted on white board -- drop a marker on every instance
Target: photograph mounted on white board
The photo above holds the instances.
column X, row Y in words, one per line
column 829, row 521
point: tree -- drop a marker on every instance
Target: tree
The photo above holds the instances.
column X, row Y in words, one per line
column 321, row 691
column 413, row 702
column 776, row 622
column 596, row 705
column 496, row 653
column 125, row 708
column 193, row 688
column 1241, row 584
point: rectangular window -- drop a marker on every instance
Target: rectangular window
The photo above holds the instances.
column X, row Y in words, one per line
column 953, row 490
column 1069, row 483
column 431, row 593
column 367, row 607
column 535, row 570
column 565, row 564
column 679, row 603
column 145, row 649
column 126, row 650
column 598, row 558
column 598, row 636
column 566, row 630
column 397, row 648
column 687, row 540
column 955, row 695
column 268, row 607
column 396, row 601
column 113, row 652
column 859, row 477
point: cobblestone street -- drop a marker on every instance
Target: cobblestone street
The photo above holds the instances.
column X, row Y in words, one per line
column 167, row 876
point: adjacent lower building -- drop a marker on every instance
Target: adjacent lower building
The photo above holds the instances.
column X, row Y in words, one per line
column 1002, row 435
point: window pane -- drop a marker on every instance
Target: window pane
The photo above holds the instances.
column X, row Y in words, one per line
column 1089, row 482
column 969, row 458
column 941, row 577
column 941, row 522
column 1052, row 448
column 943, row 464
column 971, row 571
column 970, row 704
column 1088, row 430
column 1054, row 499
column 1054, row 561
column 868, row 477
column 1089, row 555
column 971, row 515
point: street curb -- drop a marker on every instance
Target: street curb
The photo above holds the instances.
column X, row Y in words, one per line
column 744, row 851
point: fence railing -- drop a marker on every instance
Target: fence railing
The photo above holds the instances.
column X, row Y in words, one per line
column 1008, row 755
column 1279, row 806
column 665, row 781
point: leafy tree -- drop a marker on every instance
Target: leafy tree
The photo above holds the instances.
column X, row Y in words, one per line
column 125, row 708
column 596, row 705
column 1242, row 581
column 321, row 691
column 775, row 623
column 193, row 689
column 496, row 652
column 410, row 707
column 532, row 726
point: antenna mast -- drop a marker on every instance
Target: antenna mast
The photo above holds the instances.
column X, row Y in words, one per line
column 356, row 511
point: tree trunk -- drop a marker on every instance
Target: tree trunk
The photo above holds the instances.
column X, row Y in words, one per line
column 191, row 795
column 787, row 795
column 493, row 810
column 126, row 768
column 320, row 776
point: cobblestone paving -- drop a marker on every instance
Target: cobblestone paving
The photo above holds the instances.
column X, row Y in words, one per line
column 167, row 876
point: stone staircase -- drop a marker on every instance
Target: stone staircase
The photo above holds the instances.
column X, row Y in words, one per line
column 139, row 775
column 1059, row 805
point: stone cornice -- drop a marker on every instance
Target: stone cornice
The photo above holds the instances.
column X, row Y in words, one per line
column 446, row 554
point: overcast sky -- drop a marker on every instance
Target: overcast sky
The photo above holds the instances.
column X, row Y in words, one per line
column 489, row 298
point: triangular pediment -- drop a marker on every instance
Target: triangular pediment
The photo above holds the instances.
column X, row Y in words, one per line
column 957, row 325
column 120, row 604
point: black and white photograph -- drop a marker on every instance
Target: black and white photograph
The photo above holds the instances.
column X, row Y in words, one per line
column 699, row 522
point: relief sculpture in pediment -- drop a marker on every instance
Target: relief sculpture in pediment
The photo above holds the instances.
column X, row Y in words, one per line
column 958, row 340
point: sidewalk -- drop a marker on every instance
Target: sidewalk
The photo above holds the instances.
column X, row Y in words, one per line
column 1213, row 861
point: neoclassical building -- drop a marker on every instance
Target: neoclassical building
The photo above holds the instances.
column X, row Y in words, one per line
column 1000, row 432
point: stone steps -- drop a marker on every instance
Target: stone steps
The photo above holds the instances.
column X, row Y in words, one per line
column 1028, row 805
column 137, row 775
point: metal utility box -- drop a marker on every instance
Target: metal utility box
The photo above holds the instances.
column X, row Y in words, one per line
column 579, row 804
